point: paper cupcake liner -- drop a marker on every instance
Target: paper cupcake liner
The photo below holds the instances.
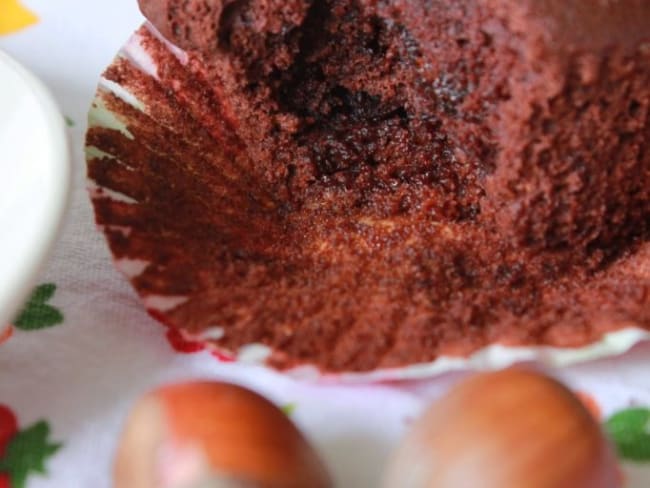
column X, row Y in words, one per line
column 489, row 358
column 132, row 184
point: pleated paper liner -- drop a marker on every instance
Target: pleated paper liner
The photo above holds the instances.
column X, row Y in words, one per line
column 166, row 172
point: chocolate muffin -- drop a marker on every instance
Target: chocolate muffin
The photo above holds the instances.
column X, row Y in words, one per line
column 360, row 184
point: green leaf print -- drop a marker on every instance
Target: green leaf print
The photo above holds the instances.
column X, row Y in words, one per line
column 27, row 453
column 630, row 431
column 289, row 409
column 43, row 293
column 37, row 314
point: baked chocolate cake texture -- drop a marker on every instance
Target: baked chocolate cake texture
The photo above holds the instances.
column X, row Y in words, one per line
column 362, row 184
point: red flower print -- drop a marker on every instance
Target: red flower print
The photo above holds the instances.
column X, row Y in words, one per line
column 8, row 428
column 5, row 334
column 23, row 452
column 180, row 344
column 5, row 482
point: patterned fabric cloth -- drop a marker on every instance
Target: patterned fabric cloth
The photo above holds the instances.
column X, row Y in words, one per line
column 83, row 349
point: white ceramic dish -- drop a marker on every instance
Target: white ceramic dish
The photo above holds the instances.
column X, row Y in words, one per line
column 34, row 180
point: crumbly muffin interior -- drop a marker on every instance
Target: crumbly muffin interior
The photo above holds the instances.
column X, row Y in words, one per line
column 383, row 183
